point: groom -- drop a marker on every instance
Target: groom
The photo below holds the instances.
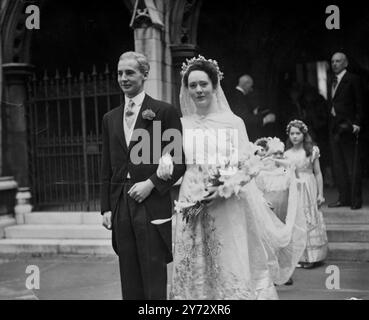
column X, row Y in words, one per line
column 132, row 195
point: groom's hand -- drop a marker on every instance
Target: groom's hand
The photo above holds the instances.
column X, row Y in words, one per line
column 141, row 190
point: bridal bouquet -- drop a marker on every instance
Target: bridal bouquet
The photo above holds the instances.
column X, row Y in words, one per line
column 230, row 175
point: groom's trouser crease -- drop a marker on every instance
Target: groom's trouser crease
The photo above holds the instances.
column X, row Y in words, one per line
column 141, row 250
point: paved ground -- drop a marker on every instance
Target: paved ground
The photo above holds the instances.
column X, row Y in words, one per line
column 97, row 278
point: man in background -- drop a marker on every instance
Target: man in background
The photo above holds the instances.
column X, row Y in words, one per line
column 245, row 105
column 345, row 99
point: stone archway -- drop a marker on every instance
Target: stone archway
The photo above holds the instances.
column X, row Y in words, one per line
column 16, row 38
column 16, row 66
column 15, row 69
column 184, row 17
column 179, row 39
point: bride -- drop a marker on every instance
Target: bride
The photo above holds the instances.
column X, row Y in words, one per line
column 236, row 248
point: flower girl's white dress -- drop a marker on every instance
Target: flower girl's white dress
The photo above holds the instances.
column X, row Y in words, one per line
column 317, row 241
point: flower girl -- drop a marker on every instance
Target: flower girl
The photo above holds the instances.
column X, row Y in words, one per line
column 305, row 157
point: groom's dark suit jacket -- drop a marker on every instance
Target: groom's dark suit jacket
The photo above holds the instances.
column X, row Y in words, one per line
column 116, row 162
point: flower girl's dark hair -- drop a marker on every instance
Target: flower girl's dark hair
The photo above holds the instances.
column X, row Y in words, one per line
column 307, row 142
column 262, row 142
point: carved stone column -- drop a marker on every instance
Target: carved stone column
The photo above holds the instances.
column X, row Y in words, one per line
column 184, row 21
column 149, row 42
column 180, row 53
column 15, row 157
column 151, row 38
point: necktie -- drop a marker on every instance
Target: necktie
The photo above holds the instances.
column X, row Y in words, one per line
column 335, row 81
column 129, row 114
column 334, row 84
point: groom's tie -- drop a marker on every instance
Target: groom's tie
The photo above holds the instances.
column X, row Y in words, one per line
column 129, row 114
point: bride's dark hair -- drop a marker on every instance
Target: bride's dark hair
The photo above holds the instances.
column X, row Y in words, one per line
column 204, row 66
column 307, row 142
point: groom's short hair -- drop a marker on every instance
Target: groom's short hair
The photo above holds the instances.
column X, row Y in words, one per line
column 143, row 64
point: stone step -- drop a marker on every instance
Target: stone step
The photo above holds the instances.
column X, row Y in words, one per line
column 43, row 217
column 345, row 215
column 5, row 222
column 63, row 231
column 348, row 251
column 56, row 246
column 331, row 216
column 353, row 251
column 348, row 233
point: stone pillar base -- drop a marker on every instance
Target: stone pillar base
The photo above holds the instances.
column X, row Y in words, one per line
column 8, row 190
column 180, row 53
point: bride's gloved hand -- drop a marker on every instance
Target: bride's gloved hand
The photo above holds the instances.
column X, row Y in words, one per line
column 165, row 167
column 320, row 200
column 212, row 196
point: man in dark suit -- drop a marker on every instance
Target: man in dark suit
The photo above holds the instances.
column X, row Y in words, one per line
column 345, row 118
column 244, row 103
column 132, row 195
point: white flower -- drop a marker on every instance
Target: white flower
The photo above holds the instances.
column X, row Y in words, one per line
column 275, row 145
column 228, row 172
column 225, row 191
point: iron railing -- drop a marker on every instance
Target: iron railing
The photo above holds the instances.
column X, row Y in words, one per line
column 64, row 125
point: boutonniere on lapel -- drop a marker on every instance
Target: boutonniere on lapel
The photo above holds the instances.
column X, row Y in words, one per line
column 148, row 114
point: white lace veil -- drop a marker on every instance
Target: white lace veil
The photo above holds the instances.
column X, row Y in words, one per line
column 188, row 108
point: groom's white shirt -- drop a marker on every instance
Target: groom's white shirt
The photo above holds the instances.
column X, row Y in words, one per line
column 138, row 100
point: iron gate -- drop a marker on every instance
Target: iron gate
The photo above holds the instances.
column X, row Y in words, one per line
column 64, row 117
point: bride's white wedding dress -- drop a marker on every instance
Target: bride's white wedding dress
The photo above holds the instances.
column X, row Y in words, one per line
column 237, row 248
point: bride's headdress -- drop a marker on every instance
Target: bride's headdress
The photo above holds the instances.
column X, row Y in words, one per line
column 187, row 105
column 189, row 62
